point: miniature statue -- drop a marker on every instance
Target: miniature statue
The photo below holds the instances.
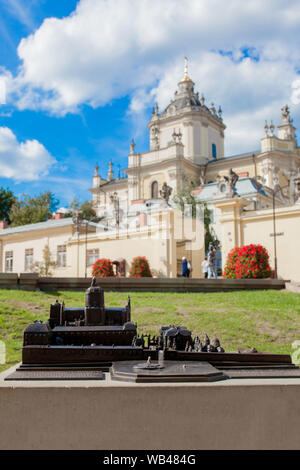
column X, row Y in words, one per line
column 216, row 343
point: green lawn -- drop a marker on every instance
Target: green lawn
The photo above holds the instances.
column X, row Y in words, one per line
column 266, row 320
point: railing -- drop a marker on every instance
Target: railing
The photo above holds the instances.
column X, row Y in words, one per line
column 155, row 156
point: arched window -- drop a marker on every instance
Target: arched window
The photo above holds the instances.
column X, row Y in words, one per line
column 214, row 150
column 154, row 190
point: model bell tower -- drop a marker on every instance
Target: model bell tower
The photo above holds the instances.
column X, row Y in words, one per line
column 94, row 305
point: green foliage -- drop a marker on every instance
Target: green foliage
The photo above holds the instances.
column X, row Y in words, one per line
column 86, row 210
column 31, row 210
column 44, row 267
column 103, row 268
column 140, row 267
column 186, row 199
column 6, row 201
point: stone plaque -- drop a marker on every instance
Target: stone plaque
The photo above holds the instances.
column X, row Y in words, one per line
column 55, row 375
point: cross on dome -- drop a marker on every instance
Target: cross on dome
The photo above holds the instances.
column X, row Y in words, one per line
column 186, row 77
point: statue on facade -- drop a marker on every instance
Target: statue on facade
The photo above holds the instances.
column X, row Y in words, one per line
column 212, row 109
column 132, row 146
column 296, row 184
column 165, row 192
column 285, row 114
column 231, row 180
column 202, row 176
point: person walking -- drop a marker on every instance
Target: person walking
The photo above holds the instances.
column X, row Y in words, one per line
column 212, row 261
column 186, row 267
column 204, row 265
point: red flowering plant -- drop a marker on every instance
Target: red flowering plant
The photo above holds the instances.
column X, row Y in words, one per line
column 247, row 262
column 140, row 267
column 103, row 268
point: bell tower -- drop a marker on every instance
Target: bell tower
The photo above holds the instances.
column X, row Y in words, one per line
column 199, row 128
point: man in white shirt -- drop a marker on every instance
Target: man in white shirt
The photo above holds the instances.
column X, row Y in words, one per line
column 204, row 265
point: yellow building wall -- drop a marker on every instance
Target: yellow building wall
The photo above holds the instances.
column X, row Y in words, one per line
column 37, row 240
column 256, row 227
column 158, row 242
column 223, row 168
column 160, row 177
column 156, row 251
column 259, row 229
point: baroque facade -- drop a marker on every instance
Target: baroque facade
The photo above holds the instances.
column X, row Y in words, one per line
column 139, row 216
column 187, row 149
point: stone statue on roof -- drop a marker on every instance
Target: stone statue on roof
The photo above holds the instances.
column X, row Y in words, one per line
column 285, row 114
column 231, row 181
column 165, row 192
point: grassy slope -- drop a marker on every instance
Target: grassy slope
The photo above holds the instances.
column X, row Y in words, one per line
column 267, row 320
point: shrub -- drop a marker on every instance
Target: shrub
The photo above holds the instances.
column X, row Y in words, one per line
column 103, row 268
column 247, row 262
column 140, row 267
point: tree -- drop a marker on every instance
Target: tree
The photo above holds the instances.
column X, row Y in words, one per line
column 186, row 198
column 44, row 267
column 88, row 212
column 86, row 209
column 6, row 201
column 31, row 210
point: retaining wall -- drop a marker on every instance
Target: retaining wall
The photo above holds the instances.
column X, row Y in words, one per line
column 32, row 281
column 104, row 414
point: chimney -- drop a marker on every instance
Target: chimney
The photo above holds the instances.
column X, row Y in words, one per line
column 142, row 219
column 58, row 215
column 3, row 224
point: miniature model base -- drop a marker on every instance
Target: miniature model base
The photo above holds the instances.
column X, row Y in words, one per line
column 171, row 371
column 262, row 372
column 20, row 374
column 83, row 342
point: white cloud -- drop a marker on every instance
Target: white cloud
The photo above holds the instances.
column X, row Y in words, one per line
column 22, row 161
column 108, row 49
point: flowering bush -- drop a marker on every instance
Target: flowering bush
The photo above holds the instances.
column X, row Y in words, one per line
column 247, row 262
column 103, row 268
column 140, row 267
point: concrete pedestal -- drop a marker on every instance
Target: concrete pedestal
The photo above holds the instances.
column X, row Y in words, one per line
column 232, row 414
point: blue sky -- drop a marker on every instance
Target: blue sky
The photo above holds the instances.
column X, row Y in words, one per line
column 81, row 78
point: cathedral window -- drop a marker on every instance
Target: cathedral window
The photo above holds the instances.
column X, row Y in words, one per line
column 154, row 190
column 214, row 150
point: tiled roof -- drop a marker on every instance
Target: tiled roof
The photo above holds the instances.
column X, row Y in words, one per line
column 244, row 186
column 49, row 224
column 240, row 155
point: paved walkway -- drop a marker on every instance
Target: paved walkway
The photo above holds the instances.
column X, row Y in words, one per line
column 293, row 287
